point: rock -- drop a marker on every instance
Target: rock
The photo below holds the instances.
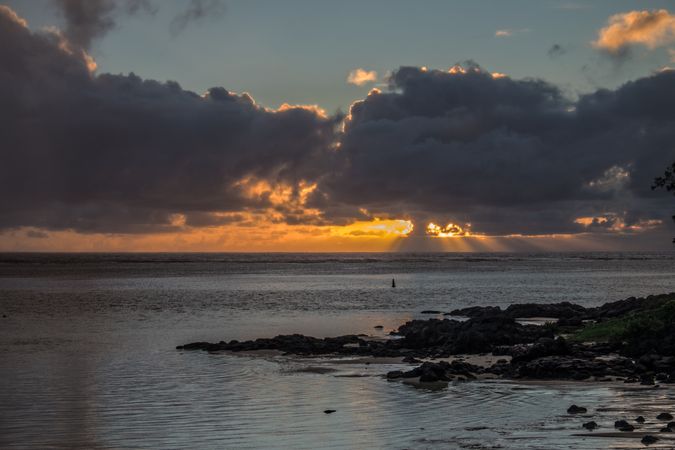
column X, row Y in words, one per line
column 394, row 374
column 476, row 311
column 329, row 411
column 412, row 360
column 478, row 335
column 556, row 310
column 298, row 344
column 647, row 380
column 666, row 430
column 664, row 416
column 590, row 426
column 574, row 409
column 430, row 311
column 671, row 425
column 543, row 347
column 649, row 439
column 194, row 346
column 640, row 419
column 568, row 367
column 378, row 327
column 441, row 371
column 622, row 425
column 570, row 322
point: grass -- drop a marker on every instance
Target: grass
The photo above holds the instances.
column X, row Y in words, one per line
column 630, row 326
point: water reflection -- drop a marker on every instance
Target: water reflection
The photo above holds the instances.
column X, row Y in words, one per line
column 87, row 356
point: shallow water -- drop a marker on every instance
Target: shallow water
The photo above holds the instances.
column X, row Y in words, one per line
column 88, row 361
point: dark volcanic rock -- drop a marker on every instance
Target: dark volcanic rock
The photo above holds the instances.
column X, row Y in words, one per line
column 476, row 311
column 294, row 343
column 640, row 419
column 665, row 416
column 649, row 439
column 430, row 311
column 590, row 426
column 570, row 322
column 645, row 354
column 543, row 347
column 574, row 409
column 556, row 310
column 622, row 425
column 477, row 335
column 563, row 310
column 440, row 371
column 395, row 374
column 411, row 360
column 329, row 411
column 631, row 304
column 571, row 368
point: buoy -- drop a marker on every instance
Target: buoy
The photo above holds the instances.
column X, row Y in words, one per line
column 393, row 283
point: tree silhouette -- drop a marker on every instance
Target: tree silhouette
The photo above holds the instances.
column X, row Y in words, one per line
column 667, row 182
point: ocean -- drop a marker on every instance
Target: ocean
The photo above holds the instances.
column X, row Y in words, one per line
column 88, row 358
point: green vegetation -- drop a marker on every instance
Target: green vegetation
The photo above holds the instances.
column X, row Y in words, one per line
column 630, row 326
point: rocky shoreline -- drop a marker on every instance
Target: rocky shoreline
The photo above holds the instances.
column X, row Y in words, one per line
column 631, row 340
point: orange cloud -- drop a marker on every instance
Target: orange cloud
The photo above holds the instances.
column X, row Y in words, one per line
column 616, row 223
column 359, row 77
column 651, row 29
column 450, row 230
column 9, row 12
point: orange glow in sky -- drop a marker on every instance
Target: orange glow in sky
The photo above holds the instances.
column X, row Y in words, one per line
column 450, row 230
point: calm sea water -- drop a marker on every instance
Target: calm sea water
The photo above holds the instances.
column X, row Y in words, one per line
column 88, row 359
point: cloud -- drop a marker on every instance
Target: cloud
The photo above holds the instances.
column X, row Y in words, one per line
column 359, row 77
column 556, row 51
column 508, row 33
column 508, row 156
column 197, row 10
column 102, row 153
column 117, row 153
column 651, row 29
column 87, row 20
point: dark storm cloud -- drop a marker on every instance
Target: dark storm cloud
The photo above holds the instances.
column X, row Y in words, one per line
column 509, row 156
column 196, row 10
column 119, row 153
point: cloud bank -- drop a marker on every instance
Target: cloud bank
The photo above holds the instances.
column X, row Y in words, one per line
column 91, row 152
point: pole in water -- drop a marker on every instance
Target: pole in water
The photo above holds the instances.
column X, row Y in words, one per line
column 393, row 283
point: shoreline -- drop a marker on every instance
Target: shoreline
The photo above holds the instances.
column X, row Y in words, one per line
column 627, row 345
column 521, row 341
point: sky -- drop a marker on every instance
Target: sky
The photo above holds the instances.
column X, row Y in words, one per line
column 187, row 125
